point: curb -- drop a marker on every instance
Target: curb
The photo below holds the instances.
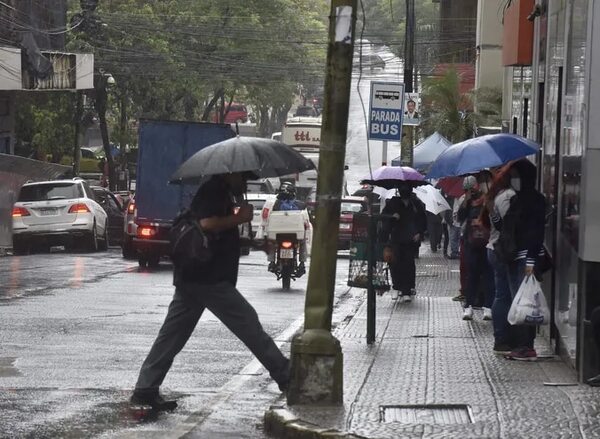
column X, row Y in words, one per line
column 282, row 423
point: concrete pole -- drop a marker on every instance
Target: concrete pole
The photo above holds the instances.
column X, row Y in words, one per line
column 316, row 355
column 77, row 122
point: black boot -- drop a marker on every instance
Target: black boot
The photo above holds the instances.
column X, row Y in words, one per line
column 301, row 269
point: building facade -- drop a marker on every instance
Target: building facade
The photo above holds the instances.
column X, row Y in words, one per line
column 551, row 98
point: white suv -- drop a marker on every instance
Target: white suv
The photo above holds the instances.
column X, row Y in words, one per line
column 60, row 212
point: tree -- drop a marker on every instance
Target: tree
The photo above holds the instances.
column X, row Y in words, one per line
column 445, row 108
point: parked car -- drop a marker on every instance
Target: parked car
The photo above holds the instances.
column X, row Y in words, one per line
column 129, row 230
column 60, row 212
column 113, row 206
column 235, row 113
column 349, row 206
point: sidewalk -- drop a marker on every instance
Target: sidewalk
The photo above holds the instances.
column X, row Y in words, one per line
column 432, row 375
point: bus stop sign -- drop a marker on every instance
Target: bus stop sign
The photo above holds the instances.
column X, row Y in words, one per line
column 386, row 111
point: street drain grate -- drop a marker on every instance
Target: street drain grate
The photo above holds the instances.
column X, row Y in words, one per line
column 426, row 414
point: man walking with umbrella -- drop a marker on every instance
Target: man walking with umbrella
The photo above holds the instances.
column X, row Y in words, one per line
column 402, row 232
column 210, row 286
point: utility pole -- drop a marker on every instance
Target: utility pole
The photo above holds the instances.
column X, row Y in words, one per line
column 409, row 67
column 317, row 373
column 77, row 122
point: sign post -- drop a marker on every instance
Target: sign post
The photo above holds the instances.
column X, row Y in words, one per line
column 386, row 110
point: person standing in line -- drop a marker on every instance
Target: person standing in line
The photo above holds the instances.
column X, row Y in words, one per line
column 210, row 286
column 496, row 205
column 457, row 229
column 402, row 233
column 525, row 222
column 434, row 229
column 476, row 237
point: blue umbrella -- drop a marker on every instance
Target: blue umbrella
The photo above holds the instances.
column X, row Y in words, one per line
column 479, row 153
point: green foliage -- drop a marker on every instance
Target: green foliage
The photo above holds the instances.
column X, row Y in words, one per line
column 445, row 109
column 169, row 58
column 44, row 124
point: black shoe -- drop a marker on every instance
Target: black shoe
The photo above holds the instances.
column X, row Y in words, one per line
column 502, row 348
column 272, row 267
column 154, row 400
column 594, row 381
column 301, row 269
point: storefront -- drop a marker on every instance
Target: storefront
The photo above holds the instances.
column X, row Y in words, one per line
column 554, row 103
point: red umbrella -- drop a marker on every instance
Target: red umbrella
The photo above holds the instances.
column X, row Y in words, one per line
column 452, row 186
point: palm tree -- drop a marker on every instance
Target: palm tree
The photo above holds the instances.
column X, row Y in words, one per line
column 445, row 108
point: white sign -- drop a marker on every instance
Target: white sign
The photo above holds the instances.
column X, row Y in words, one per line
column 386, row 109
column 343, row 24
column 411, row 109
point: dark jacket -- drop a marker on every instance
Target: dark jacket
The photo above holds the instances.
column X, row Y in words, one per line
column 411, row 221
column 530, row 206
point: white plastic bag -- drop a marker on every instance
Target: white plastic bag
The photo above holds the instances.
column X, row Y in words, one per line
column 529, row 306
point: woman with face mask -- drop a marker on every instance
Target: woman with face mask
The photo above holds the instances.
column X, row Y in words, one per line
column 527, row 212
column 476, row 236
column 496, row 205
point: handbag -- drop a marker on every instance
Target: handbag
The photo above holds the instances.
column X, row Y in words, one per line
column 190, row 245
column 529, row 307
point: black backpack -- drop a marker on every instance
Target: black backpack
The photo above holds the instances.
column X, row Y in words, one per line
column 190, row 246
column 506, row 247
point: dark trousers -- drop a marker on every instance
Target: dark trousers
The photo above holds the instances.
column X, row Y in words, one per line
column 186, row 308
column 478, row 270
column 434, row 228
column 403, row 268
column 446, row 236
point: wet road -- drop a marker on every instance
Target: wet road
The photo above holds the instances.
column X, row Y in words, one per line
column 76, row 327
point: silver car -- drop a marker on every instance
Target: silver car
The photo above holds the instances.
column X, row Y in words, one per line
column 59, row 212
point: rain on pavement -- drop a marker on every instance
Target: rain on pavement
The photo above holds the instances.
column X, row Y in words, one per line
column 75, row 328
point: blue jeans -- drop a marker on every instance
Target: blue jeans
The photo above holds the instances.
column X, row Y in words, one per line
column 508, row 278
column 454, row 240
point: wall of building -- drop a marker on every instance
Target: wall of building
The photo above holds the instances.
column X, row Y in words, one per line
column 488, row 41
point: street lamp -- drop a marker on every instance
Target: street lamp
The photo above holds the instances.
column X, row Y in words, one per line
column 102, row 80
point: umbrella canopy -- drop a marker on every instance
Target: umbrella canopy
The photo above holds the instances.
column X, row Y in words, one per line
column 432, row 198
column 427, row 151
column 479, row 153
column 390, row 177
column 452, row 186
column 262, row 157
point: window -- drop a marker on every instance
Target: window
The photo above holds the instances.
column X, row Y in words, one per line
column 50, row 191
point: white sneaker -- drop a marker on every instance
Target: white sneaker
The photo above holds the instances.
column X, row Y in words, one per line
column 468, row 314
column 407, row 299
column 395, row 294
column 487, row 314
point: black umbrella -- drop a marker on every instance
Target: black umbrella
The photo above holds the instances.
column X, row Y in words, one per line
column 261, row 157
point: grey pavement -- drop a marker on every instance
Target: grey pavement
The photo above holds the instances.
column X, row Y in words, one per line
column 432, row 375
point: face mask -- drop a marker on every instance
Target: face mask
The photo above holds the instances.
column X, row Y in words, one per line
column 515, row 182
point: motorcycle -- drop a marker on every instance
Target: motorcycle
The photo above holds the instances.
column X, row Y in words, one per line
column 286, row 260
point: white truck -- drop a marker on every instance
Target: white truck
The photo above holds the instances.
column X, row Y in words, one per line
column 304, row 135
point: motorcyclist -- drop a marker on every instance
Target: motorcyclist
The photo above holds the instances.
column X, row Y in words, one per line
column 286, row 200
